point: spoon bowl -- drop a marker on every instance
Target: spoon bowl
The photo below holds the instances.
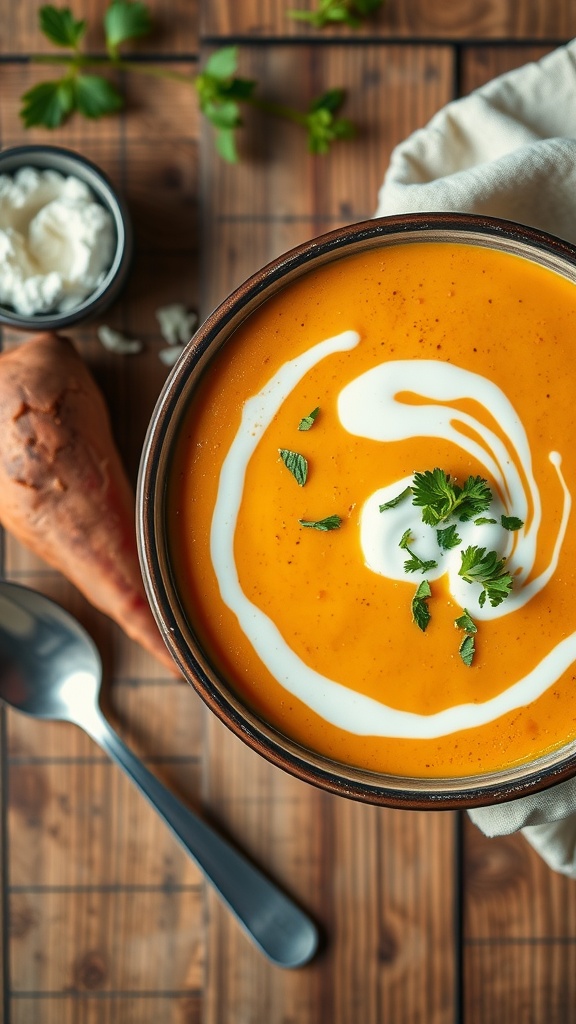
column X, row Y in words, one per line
column 50, row 668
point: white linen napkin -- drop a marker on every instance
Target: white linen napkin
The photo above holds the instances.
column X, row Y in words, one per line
column 507, row 150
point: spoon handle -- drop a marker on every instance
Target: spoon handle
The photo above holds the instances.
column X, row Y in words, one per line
column 278, row 927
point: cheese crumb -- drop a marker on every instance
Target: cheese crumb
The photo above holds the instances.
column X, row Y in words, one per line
column 114, row 341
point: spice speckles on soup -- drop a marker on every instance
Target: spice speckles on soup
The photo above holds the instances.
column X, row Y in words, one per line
column 412, row 357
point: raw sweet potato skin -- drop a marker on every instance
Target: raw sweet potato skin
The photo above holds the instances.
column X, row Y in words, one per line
column 64, row 492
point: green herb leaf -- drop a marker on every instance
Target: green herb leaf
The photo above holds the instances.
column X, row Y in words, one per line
column 448, row 538
column 466, row 622
column 296, row 464
column 222, row 63
column 489, row 570
column 226, row 145
column 308, row 421
column 440, row 497
column 124, row 20
column 414, row 563
column 420, row 614
column 511, row 522
column 324, row 127
column 60, row 26
column 396, row 501
column 346, row 12
column 467, row 650
column 482, row 521
column 96, row 96
column 329, row 523
column 48, row 103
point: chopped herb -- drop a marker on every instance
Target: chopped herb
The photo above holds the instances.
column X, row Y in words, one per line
column 483, row 521
column 448, row 538
column 414, row 563
column 439, row 497
column 489, row 570
column 511, row 522
column 308, row 421
column 330, row 523
column 466, row 622
column 420, row 614
column 467, row 649
column 296, row 464
column 396, row 501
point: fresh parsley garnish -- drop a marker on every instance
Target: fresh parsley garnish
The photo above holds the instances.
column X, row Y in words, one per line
column 342, row 12
column 221, row 93
column 414, row 563
column 489, row 570
column 396, row 501
column 296, row 464
column 511, row 522
column 440, row 497
column 329, row 523
column 467, row 649
column 466, row 622
column 420, row 614
column 308, row 421
column 484, row 521
column 448, row 538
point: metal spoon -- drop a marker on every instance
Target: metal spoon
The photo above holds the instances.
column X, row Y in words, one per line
column 50, row 668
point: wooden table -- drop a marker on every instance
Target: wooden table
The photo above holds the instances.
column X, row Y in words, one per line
column 104, row 919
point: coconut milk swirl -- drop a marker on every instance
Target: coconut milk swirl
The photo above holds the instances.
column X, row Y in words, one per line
column 371, row 406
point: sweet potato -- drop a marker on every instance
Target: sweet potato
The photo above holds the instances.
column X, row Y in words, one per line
column 63, row 490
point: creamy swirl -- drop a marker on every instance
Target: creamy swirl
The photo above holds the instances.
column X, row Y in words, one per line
column 370, row 406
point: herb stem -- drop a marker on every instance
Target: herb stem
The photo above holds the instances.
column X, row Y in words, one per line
column 79, row 61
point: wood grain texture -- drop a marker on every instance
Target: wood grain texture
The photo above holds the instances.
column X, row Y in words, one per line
column 480, row 64
column 409, row 19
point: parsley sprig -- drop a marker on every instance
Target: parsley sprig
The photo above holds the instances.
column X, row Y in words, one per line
column 221, row 94
column 338, row 12
column 489, row 570
column 440, row 497
column 414, row 563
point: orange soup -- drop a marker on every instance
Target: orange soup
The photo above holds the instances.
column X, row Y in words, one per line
column 403, row 639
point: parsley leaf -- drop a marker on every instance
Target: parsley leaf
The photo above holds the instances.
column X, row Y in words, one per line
column 489, row 570
column 48, row 103
column 414, row 563
column 123, row 20
column 420, row 613
column 296, row 464
column 60, row 26
column 96, row 96
column 308, row 421
column 396, row 501
column 329, row 523
column 324, row 127
column 483, row 521
column 440, row 497
column 448, row 538
column 346, row 12
column 467, row 649
column 218, row 92
column 466, row 622
column 511, row 522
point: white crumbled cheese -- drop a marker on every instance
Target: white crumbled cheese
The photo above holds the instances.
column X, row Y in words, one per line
column 177, row 324
column 170, row 356
column 56, row 241
column 114, row 341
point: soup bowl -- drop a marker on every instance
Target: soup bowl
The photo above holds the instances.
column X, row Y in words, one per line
column 411, row 262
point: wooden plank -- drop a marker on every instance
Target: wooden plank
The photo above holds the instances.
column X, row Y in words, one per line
column 89, row 1008
column 279, row 195
column 519, row 933
column 175, row 28
column 480, row 64
column 410, row 19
